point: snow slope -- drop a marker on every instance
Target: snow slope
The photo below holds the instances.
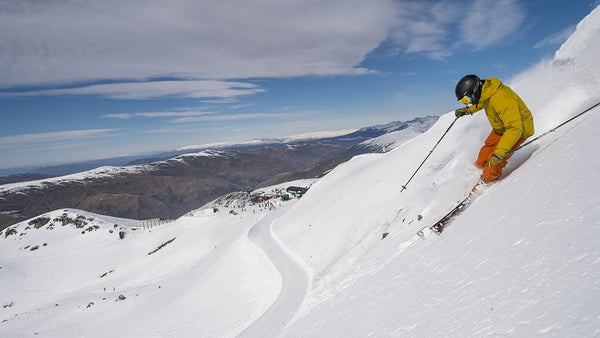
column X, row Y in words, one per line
column 523, row 260
column 395, row 138
column 209, row 280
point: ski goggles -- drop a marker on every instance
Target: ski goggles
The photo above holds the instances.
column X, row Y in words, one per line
column 466, row 99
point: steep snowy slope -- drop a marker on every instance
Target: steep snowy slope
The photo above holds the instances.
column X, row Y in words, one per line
column 522, row 260
column 394, row 138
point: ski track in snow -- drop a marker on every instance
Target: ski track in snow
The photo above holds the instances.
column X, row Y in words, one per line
column 295, row 278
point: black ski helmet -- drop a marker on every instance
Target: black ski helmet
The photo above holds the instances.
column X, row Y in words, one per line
column 469, row 85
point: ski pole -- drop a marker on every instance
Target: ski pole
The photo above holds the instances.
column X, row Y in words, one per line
column 551, row 130
column 438, row 142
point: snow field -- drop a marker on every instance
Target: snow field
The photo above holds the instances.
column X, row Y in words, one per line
column 522, row 260
column 208, row 269
column 531, row 268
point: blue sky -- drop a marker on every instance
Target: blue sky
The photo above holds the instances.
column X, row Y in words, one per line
column 96, row 79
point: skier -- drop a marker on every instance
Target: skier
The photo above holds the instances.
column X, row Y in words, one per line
column 511, row 120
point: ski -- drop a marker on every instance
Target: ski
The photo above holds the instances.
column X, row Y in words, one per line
column 440, row 225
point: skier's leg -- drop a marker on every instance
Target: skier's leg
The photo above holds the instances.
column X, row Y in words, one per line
column 488, row 148
column 491, row 174
column 519, row 142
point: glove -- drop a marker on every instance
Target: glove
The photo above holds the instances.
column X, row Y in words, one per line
column 462, row 111
column 494, row 160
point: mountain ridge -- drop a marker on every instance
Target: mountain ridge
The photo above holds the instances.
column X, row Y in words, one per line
column 347, row 138
column 168, row 188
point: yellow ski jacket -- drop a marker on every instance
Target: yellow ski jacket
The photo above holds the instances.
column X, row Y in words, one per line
column 507, row 113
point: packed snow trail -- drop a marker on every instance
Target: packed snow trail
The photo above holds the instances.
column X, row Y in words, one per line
column 295, row 276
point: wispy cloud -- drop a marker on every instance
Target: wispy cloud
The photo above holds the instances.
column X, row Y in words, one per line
column 204, row 116
column 154, row 89
column 157, row 114
column 232, row 117
column 53, row 137
column 222, row 101
column 207, row 43
column 55, row 147
column 50, row 42
column 117, row 116
column 422, row 27
column 174, row 114
column 439, row 28
column 241, row 106
column 170, row 130
column 557, row 38
column 491, row 21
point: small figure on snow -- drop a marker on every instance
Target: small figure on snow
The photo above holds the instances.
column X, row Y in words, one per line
column 511, row 120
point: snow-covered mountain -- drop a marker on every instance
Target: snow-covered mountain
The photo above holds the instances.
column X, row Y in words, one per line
column 376, row 138
column 396, row 133
column 346, row 138
column 523, row 260
column 171, row 187
column 373, row 137
column 269, row 141
column 104, row 172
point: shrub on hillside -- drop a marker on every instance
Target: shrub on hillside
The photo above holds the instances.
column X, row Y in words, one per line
column 39, row 222
column 78, row 222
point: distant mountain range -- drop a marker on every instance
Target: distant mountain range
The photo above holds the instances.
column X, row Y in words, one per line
column 346, row 140
column 170, row 184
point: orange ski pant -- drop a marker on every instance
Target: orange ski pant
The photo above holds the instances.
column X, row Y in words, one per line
column 492, row 173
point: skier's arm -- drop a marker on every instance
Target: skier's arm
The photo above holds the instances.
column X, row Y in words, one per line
column 475, row 107
column 513, row 126
column 467, row 110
